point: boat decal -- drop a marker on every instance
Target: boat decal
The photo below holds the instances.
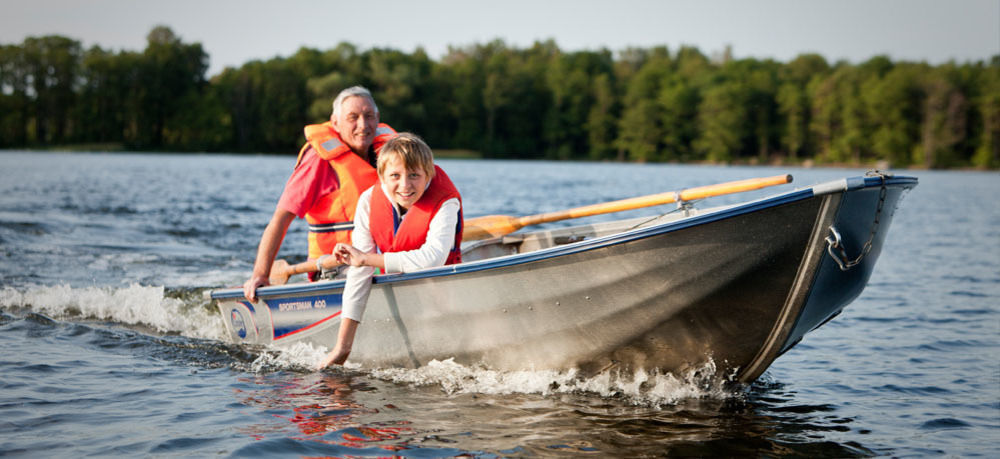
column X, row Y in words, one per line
column 238, row 319
column 290, row 316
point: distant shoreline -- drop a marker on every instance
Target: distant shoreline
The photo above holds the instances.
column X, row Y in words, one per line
column 462, row 154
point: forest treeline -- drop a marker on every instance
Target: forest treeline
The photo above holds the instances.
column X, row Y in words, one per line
column 636, row 104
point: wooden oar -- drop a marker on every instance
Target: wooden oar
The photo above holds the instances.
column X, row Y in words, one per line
column 499, row 225
column 281, row 270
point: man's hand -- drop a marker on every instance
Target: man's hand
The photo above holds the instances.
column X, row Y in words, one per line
column 252, row 284
column 270, row 242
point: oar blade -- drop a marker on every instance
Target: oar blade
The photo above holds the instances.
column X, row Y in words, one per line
column 489, row 226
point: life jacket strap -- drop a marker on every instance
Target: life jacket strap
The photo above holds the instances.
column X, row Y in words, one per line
column 331, row 227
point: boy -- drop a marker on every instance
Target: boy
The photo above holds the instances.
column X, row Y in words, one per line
column 410, row 219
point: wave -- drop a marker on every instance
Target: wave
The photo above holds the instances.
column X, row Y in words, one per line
column 641, row 387
column 135, row 305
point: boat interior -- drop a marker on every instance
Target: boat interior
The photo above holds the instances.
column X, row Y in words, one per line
column 530, row 241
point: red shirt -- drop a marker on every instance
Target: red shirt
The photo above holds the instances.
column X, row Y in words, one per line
column 312, row 179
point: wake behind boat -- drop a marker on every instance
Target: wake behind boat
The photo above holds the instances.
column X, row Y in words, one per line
column 738, row 285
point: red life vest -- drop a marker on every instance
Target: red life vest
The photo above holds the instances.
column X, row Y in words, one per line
column 412, row 231
column 331, row 218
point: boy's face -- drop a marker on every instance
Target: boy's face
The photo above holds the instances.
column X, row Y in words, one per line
column 405, row 186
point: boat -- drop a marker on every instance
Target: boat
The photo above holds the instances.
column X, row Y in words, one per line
column 735, row 285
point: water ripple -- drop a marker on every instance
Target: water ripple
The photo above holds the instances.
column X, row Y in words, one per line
column 945, row 423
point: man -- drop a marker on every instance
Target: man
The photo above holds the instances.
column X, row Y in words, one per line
column 335, row 166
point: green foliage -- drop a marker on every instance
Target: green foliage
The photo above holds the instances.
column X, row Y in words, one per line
column 169, row 72
column 15, row 103
column 600, row 126
column 51, row 65
column 641, row 130
column 722, row 122
column 793, row 106
column 987, row 149
column 637, row 104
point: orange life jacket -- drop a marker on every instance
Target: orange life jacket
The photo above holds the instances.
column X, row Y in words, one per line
column 331, row 218
column 411, row 232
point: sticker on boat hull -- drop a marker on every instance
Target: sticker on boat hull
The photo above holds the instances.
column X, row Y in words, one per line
column 295, row 315
column 242, row 322
column 238, row 325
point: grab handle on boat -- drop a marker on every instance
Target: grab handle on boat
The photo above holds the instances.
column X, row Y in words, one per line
column 499, row 225
column 833, row 241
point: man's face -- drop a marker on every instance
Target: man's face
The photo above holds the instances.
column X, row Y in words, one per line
column 356, row 123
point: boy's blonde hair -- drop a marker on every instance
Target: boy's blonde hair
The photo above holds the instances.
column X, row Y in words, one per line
column 411, row 149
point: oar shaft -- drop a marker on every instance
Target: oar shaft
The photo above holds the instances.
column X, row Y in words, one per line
column 597, row 209
column 737, row 186
column 639, row 202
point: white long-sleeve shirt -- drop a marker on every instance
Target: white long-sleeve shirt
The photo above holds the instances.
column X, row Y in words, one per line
column 434, row 251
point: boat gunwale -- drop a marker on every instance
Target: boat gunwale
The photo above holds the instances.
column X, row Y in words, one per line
column 847, row 184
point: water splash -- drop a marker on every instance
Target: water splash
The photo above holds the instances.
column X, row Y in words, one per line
column 299, row 356
column 135, row 305
column 641, row 387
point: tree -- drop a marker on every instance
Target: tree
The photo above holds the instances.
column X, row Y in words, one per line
column 894, row 108
column 987, row 153
column 678, row 100
column 840, row 113
column 640, row 131
column 463, row 70
column 398, row 81
column 601, row 119
column 853, row 142
column 944, row 125
column 52, row 66
column 761, row 86
column 737, row 112
column 722, row 122
column 570, row 81
column 793, row 106
column 106, row 111
column 496, row 96
column 794, row 102
column 169, row 71
column 15, row 105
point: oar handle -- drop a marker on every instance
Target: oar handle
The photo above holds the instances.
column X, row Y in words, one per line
column 281, row 270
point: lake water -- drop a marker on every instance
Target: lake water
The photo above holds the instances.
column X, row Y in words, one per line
column 110, row 349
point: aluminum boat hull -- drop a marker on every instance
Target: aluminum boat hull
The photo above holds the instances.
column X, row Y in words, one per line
column 737, row 285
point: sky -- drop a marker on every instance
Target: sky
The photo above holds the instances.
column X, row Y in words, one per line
column 235, row 32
